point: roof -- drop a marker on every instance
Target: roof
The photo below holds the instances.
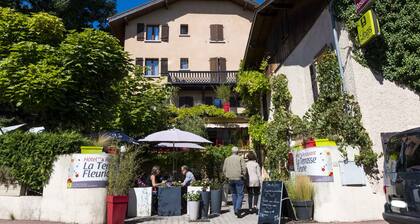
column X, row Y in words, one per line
column 273, row 17
column 117, row 21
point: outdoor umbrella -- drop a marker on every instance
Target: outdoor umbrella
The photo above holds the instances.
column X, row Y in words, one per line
column 10, row 128
column 174, row 136
column 180, row 145
column 121, row 137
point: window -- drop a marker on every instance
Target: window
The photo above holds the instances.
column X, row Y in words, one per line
column 184, row 64
column 152, row 32
column 183, row 29
column 152, row 67
column 314, row 83
column 216, row 33
column 186, row 101
column 412, row 153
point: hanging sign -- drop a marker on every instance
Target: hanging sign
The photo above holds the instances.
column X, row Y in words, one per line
column 362, row 5
column 367, row 27
column 88, row 171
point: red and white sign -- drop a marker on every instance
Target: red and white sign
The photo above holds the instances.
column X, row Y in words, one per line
column 362, row 5
column 315, row 162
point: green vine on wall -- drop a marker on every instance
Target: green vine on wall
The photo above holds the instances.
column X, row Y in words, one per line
column 395, row 54
column 336, row 115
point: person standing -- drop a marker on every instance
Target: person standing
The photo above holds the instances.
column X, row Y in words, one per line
column 234, row 169
column 189, row 176
column 254, row 181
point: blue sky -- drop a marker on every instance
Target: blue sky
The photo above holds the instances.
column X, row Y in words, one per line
column 123, row 5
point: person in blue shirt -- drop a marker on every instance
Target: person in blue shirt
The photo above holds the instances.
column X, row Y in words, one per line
column 189, row 176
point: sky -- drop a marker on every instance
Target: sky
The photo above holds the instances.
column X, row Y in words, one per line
column 123, row 5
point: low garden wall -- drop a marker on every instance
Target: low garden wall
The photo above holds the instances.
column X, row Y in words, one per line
column 58, row 203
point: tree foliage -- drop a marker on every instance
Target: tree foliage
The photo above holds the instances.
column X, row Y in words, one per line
column 251, row 86
column 144, row 107
column 58, row 79
column 395, row 54
column 76, row 14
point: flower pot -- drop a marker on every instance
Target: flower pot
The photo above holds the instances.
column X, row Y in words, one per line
column 204, row 204
column 304, row 209
column 226, row 106
column 194, row 209
column 116, row 207
column 216, row 201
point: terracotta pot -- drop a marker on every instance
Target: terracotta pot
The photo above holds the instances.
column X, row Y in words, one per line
column 116, row 208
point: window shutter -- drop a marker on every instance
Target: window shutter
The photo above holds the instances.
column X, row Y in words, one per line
column 140, row 31
column 222, row 64
column 213, row 64
column 213, row 32
column 220, row 32
column 139, row 61
column 165, row 33
column 163, row 66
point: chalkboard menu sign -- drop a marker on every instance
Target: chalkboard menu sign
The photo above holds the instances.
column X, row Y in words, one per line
column 274, row 200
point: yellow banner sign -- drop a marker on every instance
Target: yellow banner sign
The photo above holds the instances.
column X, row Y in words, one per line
column 367, row 27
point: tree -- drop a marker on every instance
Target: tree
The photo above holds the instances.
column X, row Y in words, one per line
column 76, row 14
column 55, row 80
column 143, row 108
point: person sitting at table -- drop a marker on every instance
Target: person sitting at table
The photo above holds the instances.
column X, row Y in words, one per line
column 155, row 178
column 189, row 176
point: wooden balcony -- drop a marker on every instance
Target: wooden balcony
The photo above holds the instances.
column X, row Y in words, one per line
column 202, row 77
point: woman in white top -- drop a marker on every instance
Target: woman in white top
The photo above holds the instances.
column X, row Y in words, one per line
column 254, row 181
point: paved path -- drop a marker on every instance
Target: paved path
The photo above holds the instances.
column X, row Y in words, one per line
column 225, row 218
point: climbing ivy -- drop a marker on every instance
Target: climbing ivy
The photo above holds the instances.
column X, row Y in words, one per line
column 251, row 87
column 336, row 115
column 396, row 53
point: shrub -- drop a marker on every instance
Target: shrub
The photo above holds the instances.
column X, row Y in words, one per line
column 122, row 172
column 300, row 189
column 29, row 157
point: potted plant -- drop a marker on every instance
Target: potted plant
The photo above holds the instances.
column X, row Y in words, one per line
column 193, row 204
column 216, row 197
column 223, row 92
column 301, row 192
column 120, row 178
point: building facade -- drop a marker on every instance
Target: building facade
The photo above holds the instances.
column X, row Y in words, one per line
column 293, row 34
column 194, row 46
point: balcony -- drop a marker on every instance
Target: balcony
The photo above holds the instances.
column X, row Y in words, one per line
column 202, row 77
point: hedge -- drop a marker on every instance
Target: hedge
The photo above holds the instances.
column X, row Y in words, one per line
column 28, row 157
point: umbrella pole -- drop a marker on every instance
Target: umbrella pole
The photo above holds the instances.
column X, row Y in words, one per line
column 173, row 160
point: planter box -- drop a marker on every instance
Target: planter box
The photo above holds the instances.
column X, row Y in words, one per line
column 140, row 202
column 11, row 190
column 169, row 201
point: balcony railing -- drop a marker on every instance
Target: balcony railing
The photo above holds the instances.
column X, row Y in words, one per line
column 203, row 77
